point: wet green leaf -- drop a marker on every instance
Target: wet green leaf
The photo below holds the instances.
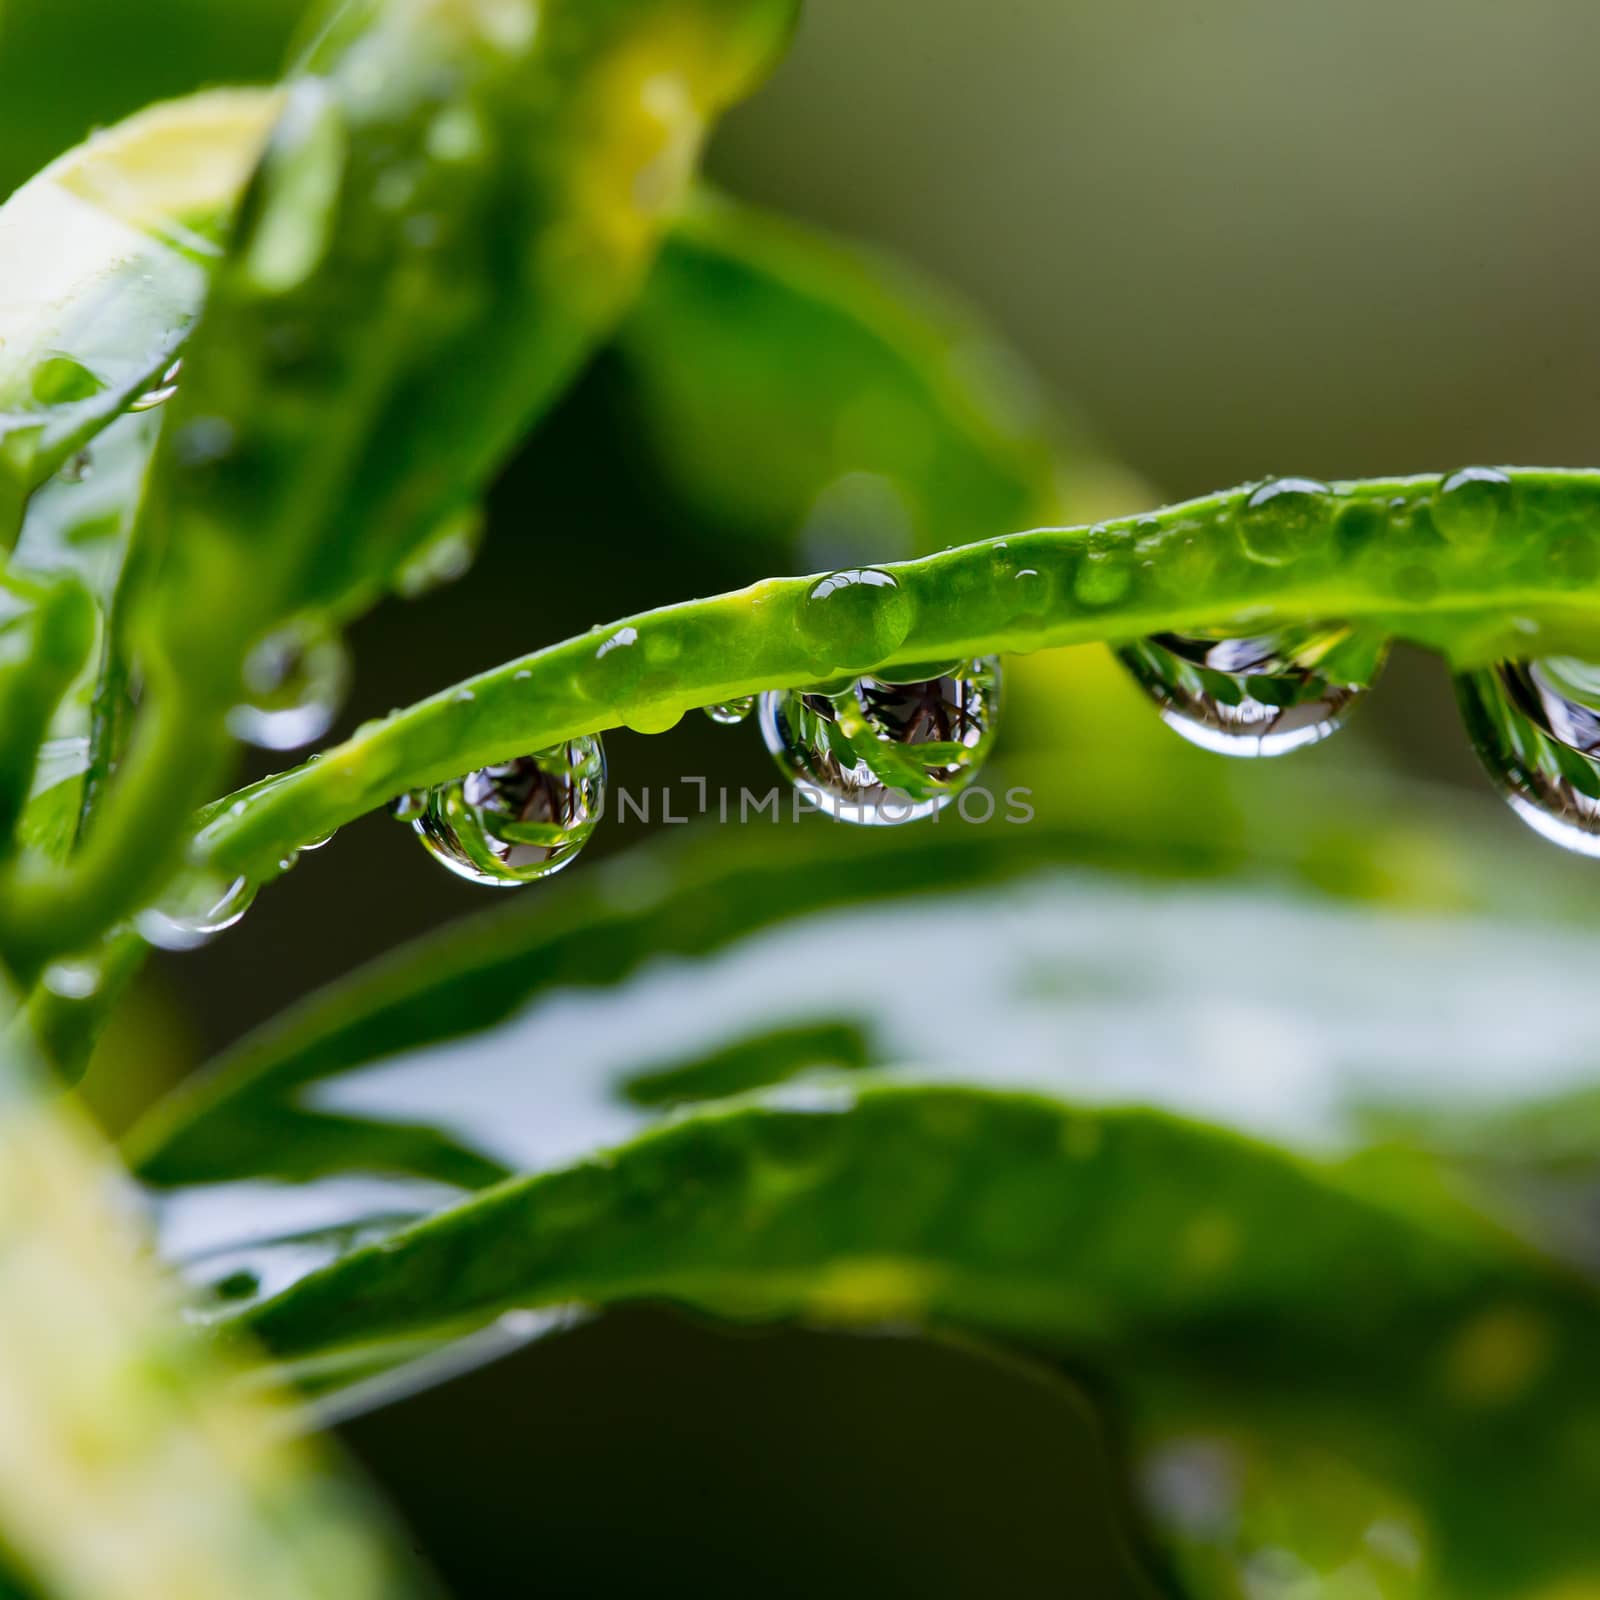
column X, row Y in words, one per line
column 1358, row 1365
column 104, row 256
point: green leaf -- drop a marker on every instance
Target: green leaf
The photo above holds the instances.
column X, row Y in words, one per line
column 798, row 390
column 529, row 1036
column 1216, row 1287
column 105, row 256
column 134, row 1463
column 458, row 200
column 1391, row 558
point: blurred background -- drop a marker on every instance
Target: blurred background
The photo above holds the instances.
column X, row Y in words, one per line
column 1235, row 238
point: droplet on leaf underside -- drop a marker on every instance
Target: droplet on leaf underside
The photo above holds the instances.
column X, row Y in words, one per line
column 294, row 681
column 730, row 712
column 194, row 910
column 1262, row 695
column 883, row 753
column 1536, row 728
column 520, row 820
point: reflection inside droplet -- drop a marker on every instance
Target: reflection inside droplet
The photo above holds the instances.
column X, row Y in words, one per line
column 884, row 753
column 520, row 820
column 1260, row 695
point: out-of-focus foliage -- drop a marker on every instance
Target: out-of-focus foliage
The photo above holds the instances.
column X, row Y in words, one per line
column 1016, row 958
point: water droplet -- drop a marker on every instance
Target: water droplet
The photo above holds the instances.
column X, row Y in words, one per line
column 409, row 806
column 161, row 391
column 78, row 468
column 878, row 752
column 71, row 980
column 519, row 820
column 1285, row 517
column 1536, row 728
column 1468, row 505
column 1261, row 696
column 294, row 680
column 317, row 844
column 853, row 618
column 730, row 712
column 199, row 906
column 443, row 557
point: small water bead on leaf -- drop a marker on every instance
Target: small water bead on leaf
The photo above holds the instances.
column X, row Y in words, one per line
column 294, row 681
column 1254, row 696
column 729, row 713
column 853, row 619
column 885, row 753
column 1468, row 505
column 520, row 820
column 161, row 391
column 1536, row 728
column 198, row 907
column 1285, row 517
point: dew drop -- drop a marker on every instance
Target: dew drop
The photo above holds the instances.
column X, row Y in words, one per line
column 853, row 618
column 519, row 820
column 1468, row 505
column 409, row 806
column 730, row 712
column 198, row 907
column 1261, row 696
column 1285, row 517
column 71, row 980
column 444, row 556
column 883, row 753
column 1536, row 728
column 294, row 681
column 161, row 391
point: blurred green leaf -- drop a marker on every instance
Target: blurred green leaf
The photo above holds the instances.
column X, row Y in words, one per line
column 804, row 392
column 1216, row 1288
column 105, row 255
column 134, row 1463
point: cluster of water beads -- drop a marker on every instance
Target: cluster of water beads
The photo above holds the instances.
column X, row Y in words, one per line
column 1536, row 727
column 294, row 682
column 884, row 752
column 517, row 821
column 1260, row 695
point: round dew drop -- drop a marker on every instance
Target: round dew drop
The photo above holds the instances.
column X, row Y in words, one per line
column 294, row 682
column 729, row 713
column 1285, row 517
column 1262, row 696
column 194, row 911
column 520, row 820
column 853, row 619
column 1468, row 505
column 1536, row 728
column 880, row 753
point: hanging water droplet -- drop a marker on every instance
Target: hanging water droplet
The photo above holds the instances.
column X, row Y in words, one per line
column 730, row 712
column 161, row 391
column 1260, row 696
column 878, row 752
column 294, row 680
column 519, row 820
column 409, row 806
column 1536, row 728
column 71, row 980
column 78, row 468
column 198, row 907
column 444, row 556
